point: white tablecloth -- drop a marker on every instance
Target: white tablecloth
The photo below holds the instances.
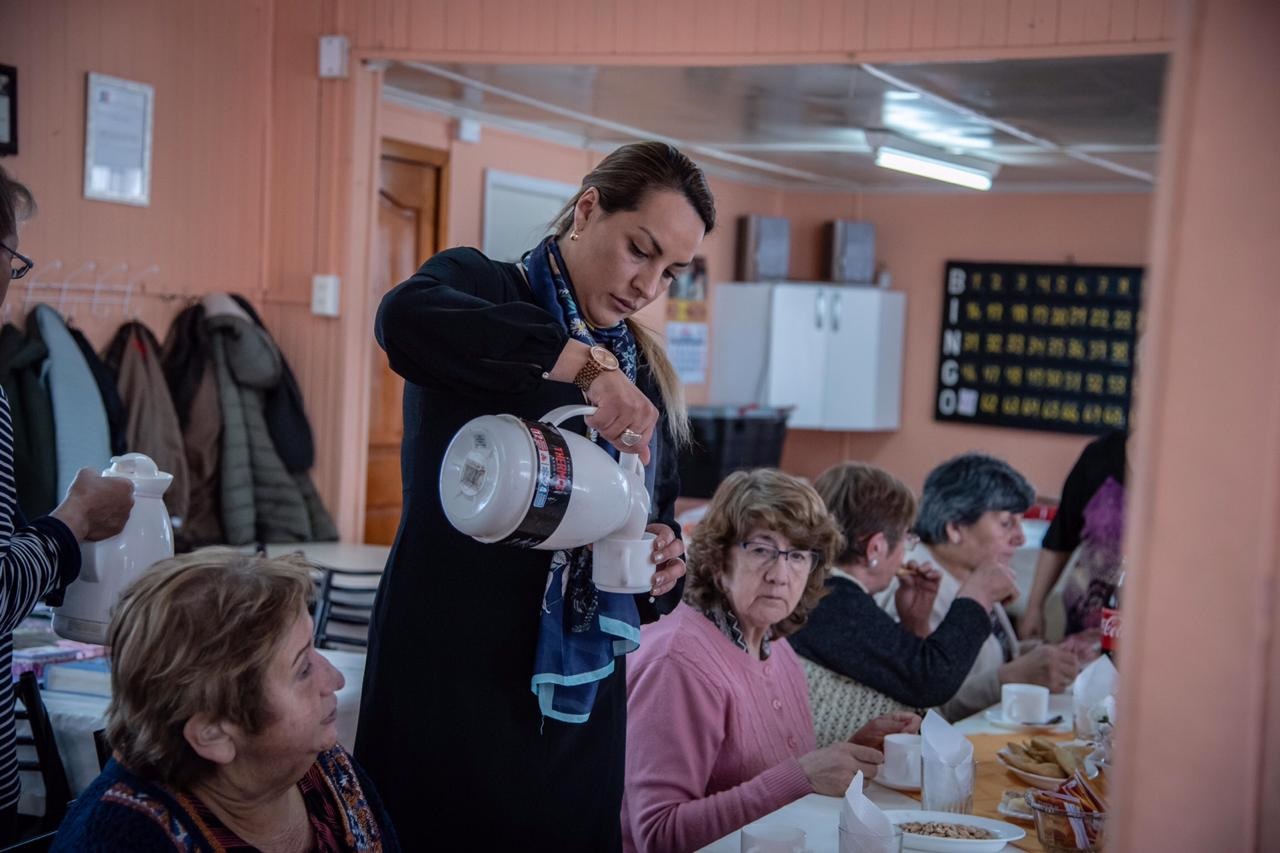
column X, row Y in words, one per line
column 76, row 716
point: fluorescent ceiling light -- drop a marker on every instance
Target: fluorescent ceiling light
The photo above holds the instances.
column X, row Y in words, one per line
column 927, row 167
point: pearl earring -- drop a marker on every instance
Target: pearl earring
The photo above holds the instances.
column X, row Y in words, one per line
column 574, row 236
column 874, row 562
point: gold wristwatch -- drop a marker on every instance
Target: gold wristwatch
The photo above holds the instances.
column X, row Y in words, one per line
column 599, row 360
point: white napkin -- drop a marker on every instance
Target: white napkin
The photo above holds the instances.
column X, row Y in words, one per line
column 939, row 741
column 864, row 828
column 1093, row 686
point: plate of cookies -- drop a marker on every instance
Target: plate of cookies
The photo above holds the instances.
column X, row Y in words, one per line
column 1044, row 764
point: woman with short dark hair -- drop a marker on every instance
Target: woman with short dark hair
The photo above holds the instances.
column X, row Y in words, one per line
column 970, row 520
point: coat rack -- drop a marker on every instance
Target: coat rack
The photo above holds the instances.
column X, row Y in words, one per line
column 102, row 289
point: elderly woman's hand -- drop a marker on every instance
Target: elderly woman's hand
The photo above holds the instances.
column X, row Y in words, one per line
column 832, row 768
column 873, row 733
column 668, row 553
column 918, row 585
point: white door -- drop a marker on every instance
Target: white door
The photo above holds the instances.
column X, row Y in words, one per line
column 798, row 352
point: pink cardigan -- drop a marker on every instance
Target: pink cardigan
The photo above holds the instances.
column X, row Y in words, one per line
column 713, row 735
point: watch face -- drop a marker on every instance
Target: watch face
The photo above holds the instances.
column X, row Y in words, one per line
column 604, row 358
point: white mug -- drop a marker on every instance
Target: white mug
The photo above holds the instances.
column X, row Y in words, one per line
column 901, row 760
column 772, row 839
column 623, row 565
column 1024, row 703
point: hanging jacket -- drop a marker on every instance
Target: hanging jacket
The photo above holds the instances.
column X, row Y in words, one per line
column 111, row 402
column 194, row 390
column 261, row 500
column 133, row 358
column 286, row 415
column 82, row 438
column 35, row 462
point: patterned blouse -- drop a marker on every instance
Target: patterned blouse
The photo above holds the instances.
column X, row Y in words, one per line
column 121, row 811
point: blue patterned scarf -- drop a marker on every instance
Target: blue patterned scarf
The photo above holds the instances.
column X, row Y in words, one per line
column 582, row 629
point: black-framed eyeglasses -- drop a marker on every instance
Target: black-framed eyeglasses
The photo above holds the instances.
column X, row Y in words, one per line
column 24, row 263
column 760, row 555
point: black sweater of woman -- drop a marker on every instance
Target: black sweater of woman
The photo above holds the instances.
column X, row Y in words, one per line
column 450, row 730
column 848, row 633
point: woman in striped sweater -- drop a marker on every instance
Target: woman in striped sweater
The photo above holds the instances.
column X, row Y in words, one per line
column 40, row 557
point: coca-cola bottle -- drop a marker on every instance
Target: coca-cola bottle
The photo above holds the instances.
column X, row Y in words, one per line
column 1111, row 620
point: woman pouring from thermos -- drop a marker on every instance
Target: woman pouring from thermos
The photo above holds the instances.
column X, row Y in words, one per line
column 494, row 703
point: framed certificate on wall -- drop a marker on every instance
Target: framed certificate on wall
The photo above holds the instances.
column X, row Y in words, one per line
column 117, row 140
column 8, row 110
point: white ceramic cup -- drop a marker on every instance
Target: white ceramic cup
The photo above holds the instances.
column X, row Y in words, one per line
column 772, row 839
column 1024, row 703
column 901, row 760
column 623, row 565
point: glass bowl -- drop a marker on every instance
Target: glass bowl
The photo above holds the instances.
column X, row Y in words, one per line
column 1059, row 831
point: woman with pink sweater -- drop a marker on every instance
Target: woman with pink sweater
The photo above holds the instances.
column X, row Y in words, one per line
column 719, row 731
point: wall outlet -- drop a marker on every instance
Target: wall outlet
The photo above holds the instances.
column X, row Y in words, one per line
column 325, row 290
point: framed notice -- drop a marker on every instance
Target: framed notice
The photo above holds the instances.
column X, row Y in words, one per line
column 8, row 110
column 1038, row 346
column 117, row 140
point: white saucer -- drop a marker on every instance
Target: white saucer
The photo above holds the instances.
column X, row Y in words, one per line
column 897, row 786
column 995, row 717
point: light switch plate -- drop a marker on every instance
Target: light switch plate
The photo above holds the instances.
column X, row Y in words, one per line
column 334, row 51
column 325, row 290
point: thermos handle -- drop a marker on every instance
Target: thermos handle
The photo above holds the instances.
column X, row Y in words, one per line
column 557, row 416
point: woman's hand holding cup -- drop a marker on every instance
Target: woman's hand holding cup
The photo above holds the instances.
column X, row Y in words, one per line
column 832, row 768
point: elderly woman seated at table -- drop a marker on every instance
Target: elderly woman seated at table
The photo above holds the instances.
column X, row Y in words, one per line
column 859, row 661
column 223, row 721
column 719, row 731
column 971, row 519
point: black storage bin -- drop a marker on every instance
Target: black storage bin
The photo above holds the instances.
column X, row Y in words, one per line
column 728, row 439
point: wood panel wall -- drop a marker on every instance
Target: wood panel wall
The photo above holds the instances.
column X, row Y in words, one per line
column 260, row 170
column 708, row 31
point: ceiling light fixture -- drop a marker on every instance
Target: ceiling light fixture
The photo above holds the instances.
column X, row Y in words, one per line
column 928, row 167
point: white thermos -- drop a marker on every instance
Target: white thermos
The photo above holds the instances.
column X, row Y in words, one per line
column 109, row 565
column 528, row 484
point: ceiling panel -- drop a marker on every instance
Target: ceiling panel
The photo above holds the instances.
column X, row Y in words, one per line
column 1059, row 124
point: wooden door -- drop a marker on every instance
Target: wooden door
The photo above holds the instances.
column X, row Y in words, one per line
column 409, row 181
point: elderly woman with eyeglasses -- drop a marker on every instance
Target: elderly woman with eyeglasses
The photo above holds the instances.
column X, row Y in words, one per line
column 971, row 518
column 719, row 731
column 860, row 662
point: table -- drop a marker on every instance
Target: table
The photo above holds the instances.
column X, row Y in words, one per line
column 76, row 716
column 336, row 555
column 819, row 816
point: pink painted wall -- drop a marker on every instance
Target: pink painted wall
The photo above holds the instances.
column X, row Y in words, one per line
column 915, row 236
column 1198, row 764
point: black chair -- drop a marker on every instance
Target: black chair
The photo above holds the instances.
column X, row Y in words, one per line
column 103, row 748
column 35, row 844
column 344, row 605
column 48, row 762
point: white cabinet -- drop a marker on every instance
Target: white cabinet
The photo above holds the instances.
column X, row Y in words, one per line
column 832, row 352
